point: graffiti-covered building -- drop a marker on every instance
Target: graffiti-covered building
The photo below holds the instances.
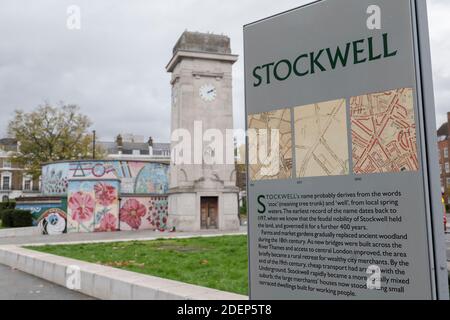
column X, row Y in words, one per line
column 100, row 196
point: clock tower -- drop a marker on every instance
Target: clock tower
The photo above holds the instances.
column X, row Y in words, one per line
column 203, row 192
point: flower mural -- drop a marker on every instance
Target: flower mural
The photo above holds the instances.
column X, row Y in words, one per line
column 93, row 206
column 158, row 213
column 132, row 213
column 108, row 223
column 132, row 192
column 144, row 212
column 105, row 194
column 81, row 206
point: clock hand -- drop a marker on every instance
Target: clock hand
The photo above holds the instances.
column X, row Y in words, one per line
column 210, row 91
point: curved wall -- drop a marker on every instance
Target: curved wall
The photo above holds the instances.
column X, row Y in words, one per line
column 137, row 190
column 136, row 177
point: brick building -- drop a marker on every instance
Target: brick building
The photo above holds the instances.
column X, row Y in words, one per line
column 132, row 147
column 444, row 159
column 14, row 182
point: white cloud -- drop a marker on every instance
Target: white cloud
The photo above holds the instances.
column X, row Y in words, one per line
column 439, row 11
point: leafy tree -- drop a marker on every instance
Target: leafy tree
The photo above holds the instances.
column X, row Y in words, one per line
column 50, row 134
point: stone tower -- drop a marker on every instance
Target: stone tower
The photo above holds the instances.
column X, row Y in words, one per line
column 203, row 193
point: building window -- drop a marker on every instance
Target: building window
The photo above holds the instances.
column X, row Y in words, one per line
column 6, row 163
column 27, row 184
column 447, row 167
column 448, row 182
column 136, row 152
column 446, row 153
column 5, row 199
column 6, row 181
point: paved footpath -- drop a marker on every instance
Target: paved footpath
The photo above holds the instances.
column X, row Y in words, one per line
column 111, row 236
column 17, row 285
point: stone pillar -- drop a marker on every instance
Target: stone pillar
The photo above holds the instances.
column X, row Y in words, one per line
column 201, row 69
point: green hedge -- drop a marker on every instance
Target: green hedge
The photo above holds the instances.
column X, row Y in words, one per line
column 7, row 205
column 12, row 218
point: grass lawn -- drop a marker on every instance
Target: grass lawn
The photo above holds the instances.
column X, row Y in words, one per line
column 218, row 262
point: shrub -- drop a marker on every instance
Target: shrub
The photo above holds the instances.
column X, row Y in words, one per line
column 7, row 205
column 12, row 218
column 6, row 218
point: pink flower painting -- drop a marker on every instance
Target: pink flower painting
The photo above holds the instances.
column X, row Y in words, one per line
column 132, row 213
column 158, row 213
column 81, row 206
column 108, row 223
column 105, row 194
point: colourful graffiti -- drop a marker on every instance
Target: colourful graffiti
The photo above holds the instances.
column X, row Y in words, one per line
column 92, row 170
column 53, row 222
column 152, row 179
column 139, row 213
column 55, row 179
column 93, row 188
column 50, row 217
column 136, row 177
column 93, row 206
column 158, row 213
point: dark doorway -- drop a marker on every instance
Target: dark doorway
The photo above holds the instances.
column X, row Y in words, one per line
column 209, row 212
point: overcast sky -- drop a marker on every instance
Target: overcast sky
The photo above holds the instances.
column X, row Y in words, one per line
column 114, row 66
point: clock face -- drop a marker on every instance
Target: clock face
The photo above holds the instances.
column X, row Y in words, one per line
column 208, row 92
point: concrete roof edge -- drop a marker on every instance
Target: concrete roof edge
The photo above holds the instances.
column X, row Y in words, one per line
column 204, row 55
